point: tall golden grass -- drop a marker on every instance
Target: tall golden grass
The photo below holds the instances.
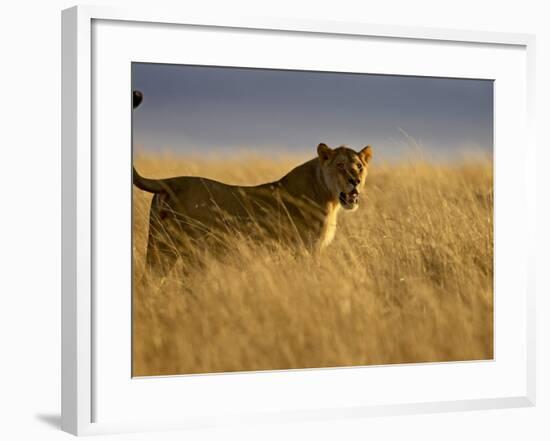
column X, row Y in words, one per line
column 408, row 278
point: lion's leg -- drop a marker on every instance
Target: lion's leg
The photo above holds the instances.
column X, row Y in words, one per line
column 162, row 249
column 161, row 257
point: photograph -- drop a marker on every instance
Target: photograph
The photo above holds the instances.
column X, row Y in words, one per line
column 289, row 219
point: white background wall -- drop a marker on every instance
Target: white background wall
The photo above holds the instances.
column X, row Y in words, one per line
column 30, row 217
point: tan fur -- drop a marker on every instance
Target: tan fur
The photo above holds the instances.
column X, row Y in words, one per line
column 300, row 209
column 329, row 226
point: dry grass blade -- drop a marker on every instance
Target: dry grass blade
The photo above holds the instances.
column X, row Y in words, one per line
column 408, row 278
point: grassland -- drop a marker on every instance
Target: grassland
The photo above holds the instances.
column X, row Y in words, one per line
column 408, row 278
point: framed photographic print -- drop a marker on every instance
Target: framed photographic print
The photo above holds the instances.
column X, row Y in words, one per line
column 269, row 221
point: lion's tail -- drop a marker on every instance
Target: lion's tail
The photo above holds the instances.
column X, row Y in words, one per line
column 150, row 185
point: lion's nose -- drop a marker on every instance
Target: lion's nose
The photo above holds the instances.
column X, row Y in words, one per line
column 354, row 181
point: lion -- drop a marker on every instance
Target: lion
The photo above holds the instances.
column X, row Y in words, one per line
column 299, row 210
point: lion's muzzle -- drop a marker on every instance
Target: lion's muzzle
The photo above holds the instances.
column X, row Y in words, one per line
column 349, row 200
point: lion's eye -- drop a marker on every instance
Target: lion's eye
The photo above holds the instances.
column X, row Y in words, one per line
column 360, row 167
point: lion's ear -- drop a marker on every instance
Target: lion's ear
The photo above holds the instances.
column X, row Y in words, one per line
column 366, row 153
column 324, row 152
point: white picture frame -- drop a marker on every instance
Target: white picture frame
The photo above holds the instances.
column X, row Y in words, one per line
column 86, row 382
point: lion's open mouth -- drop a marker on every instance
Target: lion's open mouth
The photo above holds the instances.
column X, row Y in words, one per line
column 349, row 200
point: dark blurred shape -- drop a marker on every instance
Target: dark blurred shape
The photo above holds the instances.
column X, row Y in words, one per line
column 137, row 98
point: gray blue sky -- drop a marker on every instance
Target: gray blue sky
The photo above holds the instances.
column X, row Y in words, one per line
column 203, row 109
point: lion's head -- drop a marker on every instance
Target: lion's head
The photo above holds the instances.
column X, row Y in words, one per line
column 344, row 171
